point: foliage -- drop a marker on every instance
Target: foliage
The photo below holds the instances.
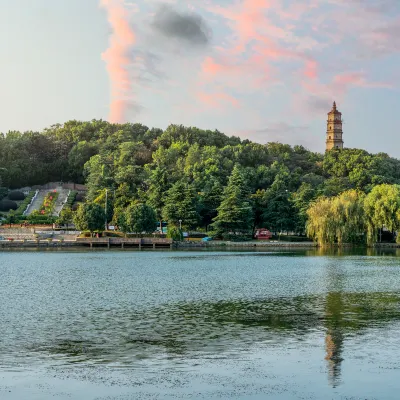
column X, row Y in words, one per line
column 101, row 200
column 7, row 205
column 140, row 218
column 16, row 195
column 89, row 217
column 142, row 165
column 337, row 219
column 180, row 206
column 382, row 209
column 65, row 217
column 22, row 207
column 11, row 218
column 38, row 219
column 235, row 214
column 3, row 192
column 175, row 234
column 71, row 198
column 47, row 207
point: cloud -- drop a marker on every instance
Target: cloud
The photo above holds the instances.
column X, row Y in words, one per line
column 118, row 60
column 236, row 55
column 188, row 28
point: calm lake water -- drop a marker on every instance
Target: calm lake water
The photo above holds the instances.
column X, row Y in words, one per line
column 199, row 325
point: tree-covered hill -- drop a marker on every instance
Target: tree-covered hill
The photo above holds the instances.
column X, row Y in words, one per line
column 138, row 164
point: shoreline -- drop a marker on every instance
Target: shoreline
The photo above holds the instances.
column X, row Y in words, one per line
column 150, row 244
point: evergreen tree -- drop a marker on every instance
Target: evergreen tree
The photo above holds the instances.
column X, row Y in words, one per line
column 180, row 205
column 157, row 191
column 235, row 214
column 209, row 202
column 140, row 218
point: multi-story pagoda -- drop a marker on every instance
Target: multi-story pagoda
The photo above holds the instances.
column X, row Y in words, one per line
column 334, row 130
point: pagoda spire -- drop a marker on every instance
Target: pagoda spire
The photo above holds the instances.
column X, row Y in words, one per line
column 334, row 130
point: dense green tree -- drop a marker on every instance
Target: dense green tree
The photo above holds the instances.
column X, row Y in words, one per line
column 235, row 214
column 89, row 217
column 140, row 165
column 301, row 200
column 382, row 210
column 158, row 187
column 140, row 218
column 337, row 219
column 210, row 199
column 65, row 217
column 119, row 219
column 180, row 206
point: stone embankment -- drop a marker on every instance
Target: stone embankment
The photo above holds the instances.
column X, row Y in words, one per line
column 387, row 245
column 251, row 244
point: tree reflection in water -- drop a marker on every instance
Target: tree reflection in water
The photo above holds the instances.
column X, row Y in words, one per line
column 226, row 329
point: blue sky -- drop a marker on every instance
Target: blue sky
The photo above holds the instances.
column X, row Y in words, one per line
column 261, row 69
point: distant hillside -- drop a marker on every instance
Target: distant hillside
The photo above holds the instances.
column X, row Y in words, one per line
column 135, row 163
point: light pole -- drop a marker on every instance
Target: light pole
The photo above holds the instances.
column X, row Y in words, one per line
column 105, row 209
column 180, row 224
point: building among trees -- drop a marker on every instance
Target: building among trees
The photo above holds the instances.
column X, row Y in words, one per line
column 334, row 130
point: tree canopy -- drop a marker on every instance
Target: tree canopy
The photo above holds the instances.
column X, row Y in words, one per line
column 193, row 175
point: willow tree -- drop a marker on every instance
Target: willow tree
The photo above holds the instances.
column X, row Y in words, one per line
column 348, row 214
column 382, row 209
column 320, row 225
column 338, row 219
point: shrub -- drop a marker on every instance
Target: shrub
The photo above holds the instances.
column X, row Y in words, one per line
column 7, row 205
column 80, row 197
column 41, row 219
column 16, row 195
column 71, row 198
column 175, row 234
column 75, row 207
column 24, row 204
column 3, row 192
column 47, row 207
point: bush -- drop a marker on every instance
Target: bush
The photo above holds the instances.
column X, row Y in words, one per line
column 80, row 197
column 75, row 207
column 7, row 205
column 16, row 195
column 3, row 192
column 41, row 219
column 175, row 234
column 71, row 198
column 24, row 204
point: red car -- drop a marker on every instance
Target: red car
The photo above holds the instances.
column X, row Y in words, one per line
column 263, row 234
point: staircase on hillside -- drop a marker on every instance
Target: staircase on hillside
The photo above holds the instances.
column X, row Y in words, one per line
column 61, row 199
column 37, row 203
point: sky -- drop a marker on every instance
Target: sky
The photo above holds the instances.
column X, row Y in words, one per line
column 266, row 70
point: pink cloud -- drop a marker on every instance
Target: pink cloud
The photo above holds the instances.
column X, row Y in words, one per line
column 218, row 99
column 118, row 60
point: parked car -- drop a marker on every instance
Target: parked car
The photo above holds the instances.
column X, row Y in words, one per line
column 263, row 234
column 206, row 239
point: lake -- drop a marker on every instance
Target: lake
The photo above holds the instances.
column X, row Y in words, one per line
column 199, row 325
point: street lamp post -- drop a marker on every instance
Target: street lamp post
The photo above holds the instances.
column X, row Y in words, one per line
column 105, row 209
column 180, row 224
